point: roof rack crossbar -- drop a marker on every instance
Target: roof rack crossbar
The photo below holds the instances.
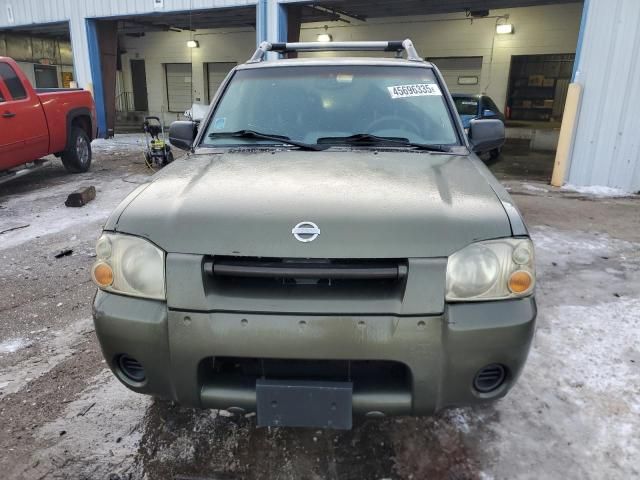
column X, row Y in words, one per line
column 393, row 46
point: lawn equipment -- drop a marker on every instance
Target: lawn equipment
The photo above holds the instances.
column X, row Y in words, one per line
column 158, row 153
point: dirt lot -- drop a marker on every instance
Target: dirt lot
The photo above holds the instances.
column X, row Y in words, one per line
column 575, row 413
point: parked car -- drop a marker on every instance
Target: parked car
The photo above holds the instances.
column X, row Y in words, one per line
column 476, row 107
column 38, row 122
column 333, row 247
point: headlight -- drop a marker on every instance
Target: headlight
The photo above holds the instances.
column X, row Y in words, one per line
column 491, row 270
column 129, row 265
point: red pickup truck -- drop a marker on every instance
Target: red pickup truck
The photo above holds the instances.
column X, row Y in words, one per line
column 38, row 122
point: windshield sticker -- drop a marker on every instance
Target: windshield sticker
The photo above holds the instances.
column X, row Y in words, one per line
column 218, row 123
column 417, row 90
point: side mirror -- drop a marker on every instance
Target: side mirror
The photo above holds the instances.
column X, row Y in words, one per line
column 488, row 113
column 182, row 134
column 486, row 135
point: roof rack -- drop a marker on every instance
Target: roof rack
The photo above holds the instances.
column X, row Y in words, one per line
column 395, row 46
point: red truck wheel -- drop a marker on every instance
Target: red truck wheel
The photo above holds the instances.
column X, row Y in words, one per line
column 77, row 157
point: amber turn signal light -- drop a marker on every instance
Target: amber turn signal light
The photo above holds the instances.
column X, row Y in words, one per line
column 102, row 275
column 520, row 281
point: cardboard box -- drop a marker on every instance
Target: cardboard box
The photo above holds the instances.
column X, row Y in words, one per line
column 549, row 82
column 548, row 104
column 527, row 103
column 536, row 80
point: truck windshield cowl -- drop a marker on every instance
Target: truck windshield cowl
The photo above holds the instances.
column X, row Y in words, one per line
column 352, row 104
column 279, row 139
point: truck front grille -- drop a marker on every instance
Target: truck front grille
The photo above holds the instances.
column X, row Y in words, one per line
column 306, row 271
column 325, row 286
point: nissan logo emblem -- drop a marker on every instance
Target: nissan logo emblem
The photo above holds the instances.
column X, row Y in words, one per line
column 306, row 232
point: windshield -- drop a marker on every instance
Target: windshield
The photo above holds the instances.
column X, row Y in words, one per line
column 466, row 105
column 330, row 103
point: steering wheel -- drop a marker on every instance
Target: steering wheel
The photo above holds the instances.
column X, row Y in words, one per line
column 393, row 122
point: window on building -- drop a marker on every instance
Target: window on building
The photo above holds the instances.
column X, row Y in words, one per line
column 46, row 76
column 179, row 86
column 13, row 83
column 538, row 86
column 216, row 73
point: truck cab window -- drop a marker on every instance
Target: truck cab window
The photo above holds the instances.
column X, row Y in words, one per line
column 13, row 83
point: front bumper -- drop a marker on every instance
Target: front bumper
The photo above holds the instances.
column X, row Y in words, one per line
column 442, row 353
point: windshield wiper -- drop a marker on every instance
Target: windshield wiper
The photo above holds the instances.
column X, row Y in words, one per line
column 368, row 138
column 267, row 136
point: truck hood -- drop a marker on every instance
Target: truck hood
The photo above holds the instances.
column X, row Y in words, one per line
column 392, row 204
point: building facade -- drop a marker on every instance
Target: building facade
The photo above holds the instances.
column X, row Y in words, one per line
column 140, row 55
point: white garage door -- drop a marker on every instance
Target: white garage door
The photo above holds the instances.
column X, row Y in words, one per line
column 216, row 73
column 462, row 74
column 178, row 76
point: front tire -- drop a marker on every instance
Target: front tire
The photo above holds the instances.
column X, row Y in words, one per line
column 495, row 153
column 168, row 158
column 77, row 157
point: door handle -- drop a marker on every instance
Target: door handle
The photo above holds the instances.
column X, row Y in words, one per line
column 8, row 115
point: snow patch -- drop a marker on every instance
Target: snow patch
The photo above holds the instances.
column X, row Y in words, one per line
column 533, row 188
column 581, row 384
column 560, row 247
column 459, row 418
column 120, row 143
column 597, row 191
column 45, row 213
column 88, row 449
column 55, row 348
column 13, row 345
column 595, row 351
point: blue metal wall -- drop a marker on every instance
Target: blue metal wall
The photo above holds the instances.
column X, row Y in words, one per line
column 606, row 147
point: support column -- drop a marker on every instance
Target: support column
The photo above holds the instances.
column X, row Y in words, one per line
column 96, row 75
column 261, row 21
column 108, row 40
column 80, row 49
column 276, row 22
column 102, row 47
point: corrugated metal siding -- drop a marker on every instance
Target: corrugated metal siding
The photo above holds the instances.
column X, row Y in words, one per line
column 27, row 12
column 45, row 11
column 607, row 143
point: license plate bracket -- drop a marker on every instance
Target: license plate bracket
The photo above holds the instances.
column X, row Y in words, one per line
column 301, row 403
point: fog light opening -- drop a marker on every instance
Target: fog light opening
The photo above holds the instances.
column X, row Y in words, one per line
column 490, row 378
column 131, row 368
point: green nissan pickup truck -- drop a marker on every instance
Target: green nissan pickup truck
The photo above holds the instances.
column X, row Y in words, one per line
column 330, row 247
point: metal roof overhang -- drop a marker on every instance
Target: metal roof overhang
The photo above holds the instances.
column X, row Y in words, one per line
column 58, row 30
column 363, row 9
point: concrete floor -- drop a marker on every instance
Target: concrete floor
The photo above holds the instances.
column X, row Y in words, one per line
column 574, row 414
column 517, row 162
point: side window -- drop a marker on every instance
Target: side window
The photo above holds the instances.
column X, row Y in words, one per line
column 1, row 95
column 13, row 83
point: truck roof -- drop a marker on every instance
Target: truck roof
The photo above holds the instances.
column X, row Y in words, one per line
column 377, row 61
column 260, row 60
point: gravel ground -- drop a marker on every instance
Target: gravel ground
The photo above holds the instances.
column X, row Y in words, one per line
column 574, row 414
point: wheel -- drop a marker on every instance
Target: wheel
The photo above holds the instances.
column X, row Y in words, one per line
column 77, row 157
column 495, row 153
column 168, row 158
